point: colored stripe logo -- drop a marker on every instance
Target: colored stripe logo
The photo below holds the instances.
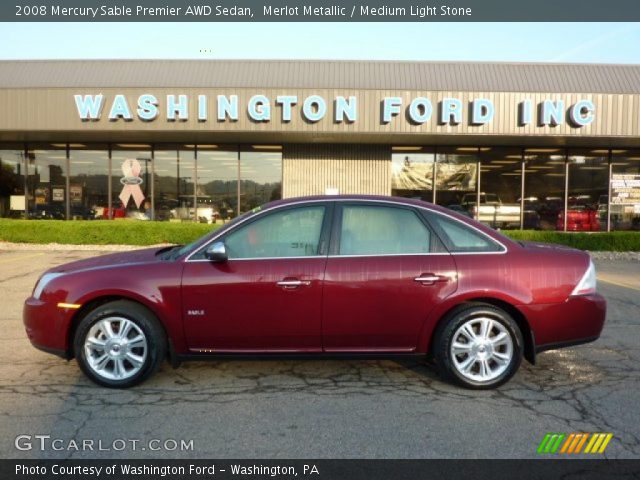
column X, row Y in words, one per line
column 574, row 443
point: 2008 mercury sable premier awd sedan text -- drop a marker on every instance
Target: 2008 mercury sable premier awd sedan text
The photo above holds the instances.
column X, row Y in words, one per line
column 323, row 276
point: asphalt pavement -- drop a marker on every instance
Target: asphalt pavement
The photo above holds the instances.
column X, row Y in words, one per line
column 315, row 408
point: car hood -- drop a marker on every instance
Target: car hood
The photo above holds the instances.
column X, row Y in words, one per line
column 112, row 260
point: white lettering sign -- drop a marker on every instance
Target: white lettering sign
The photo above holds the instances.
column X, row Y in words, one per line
column 420, row 110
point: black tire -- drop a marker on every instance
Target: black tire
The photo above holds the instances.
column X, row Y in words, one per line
column 144, row 320
column 444, row 337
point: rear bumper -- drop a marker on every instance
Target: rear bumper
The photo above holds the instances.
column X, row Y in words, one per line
column 46, row 326
column 575, row 321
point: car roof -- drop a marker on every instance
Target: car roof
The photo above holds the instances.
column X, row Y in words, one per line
column 352, row 197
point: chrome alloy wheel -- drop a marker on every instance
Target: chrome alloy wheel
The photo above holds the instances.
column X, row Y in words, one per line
column 482, row 349
column 115, row 348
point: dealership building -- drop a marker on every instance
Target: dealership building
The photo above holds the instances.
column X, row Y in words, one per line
column 207, row 140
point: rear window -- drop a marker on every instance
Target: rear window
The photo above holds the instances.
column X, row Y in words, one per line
column 382, row 230
column 460, row 238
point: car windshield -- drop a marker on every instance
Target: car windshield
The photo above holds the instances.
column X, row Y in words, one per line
column 180, row 250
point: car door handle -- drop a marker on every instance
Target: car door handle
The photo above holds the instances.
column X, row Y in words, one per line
column 293, row 283
column 431, row 278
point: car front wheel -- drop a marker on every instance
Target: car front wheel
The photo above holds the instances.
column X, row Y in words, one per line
column 478, row 346
column 119, row 344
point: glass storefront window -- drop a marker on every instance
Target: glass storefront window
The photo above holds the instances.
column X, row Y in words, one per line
column 187, row 185
column 544, row 185
column 412, row 170
column 501, row 184
column 88, row 181
column 587, row 197
column 625, row 190
column 174, row 172
column 12, row 181
column 217, row 185
column 260, row 175
column 213, row 183
column 167, row 181
column 131, row 172
column 457, row 178
column 47, row 182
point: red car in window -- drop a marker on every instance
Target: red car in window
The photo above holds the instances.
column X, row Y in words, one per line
column 365, row 276
column 582, row 215
column 580, row 218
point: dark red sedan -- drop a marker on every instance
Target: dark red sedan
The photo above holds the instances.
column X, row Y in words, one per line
column 323, row 276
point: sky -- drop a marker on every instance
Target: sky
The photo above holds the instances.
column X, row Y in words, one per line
column 509, row 42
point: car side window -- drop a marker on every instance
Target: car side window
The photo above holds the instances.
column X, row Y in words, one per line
column 379, row 230
column 460, row 238
column 293, row 232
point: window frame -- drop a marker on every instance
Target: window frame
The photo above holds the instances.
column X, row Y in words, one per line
column 323, row 244
column 436, row 246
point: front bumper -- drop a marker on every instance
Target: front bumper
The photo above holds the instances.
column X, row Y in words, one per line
column 47, row 326
column 577, row 320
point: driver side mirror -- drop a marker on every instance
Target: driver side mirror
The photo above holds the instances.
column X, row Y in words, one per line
column 216, row 252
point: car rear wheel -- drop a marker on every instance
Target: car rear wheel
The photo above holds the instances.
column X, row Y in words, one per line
column 119, row 344
column 478, row 346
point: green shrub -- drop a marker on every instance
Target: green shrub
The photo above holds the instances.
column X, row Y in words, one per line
column 98, row 232
column 132, row 232
column 595, row 241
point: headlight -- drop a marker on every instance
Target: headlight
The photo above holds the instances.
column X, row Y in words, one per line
column 42, row 283
column 587, row 284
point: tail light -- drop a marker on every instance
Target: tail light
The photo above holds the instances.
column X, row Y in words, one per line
column 587, row 284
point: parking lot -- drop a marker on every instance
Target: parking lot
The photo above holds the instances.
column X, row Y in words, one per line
column 319, row 409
